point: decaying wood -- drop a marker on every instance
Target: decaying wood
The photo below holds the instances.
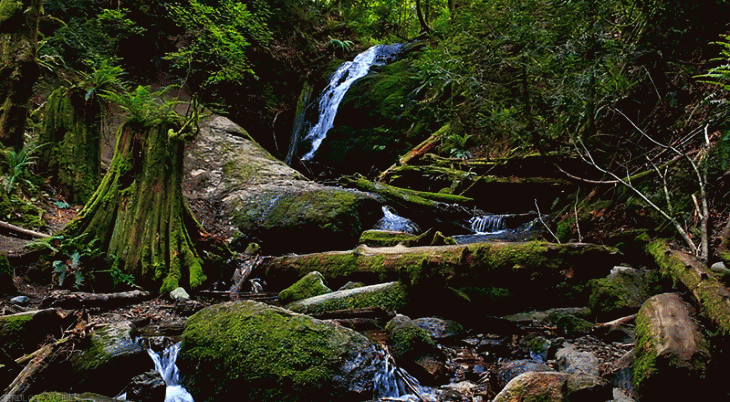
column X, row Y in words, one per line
column 375, row 313
column 713, row 297
column 17, row 231
column 418, row 151
column 482, row 264
column 76, row 300
column 242, row 272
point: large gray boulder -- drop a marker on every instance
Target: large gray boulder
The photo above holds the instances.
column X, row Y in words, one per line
column 250, row 351
column 239, row 190
column 554, row 387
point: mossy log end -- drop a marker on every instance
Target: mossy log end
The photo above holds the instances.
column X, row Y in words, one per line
column 72, row 128
column 138, row 213
column 18, row 66
column 713, row 297
column 403, row 197
column 534, row 264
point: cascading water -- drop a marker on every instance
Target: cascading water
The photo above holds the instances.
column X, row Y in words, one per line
column 394, row 383
column 487, row 224
column 165, row 365
column 339, row 83
column 394, row 222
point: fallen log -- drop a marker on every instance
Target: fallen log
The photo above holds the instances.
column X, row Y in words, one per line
column 16, row 231
column 532, row 265
column 77, row 300
column 418, row 151
column 712, row 296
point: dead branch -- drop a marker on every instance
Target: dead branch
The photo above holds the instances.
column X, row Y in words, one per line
column 539, row 215
column 17, row 231
column 618, row 321
column 76, row 300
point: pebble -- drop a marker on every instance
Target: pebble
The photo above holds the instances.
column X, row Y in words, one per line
column 20, row 300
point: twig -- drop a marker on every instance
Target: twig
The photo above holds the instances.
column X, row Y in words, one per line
column 577, row 223
column 539, row 215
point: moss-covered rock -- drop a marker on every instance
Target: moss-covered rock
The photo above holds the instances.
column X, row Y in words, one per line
column 25, row 332
column 386, row 238
column 414, row 350
column 554, row 387
column 64, row 397
column 388, row 296
column 623, row 292
column 6, row 276
column 313, row 284
column 108, row 360
column 260, row 199
column 249, row 351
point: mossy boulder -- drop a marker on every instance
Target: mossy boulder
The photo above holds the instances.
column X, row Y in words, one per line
column 387, row 238
column 313, row 284
column 388, row 296
column 24, row 332
column 554, row 387
column 414, row 350
column 256, row 198
column 108, row 360
column 6, row 276
column 623, row 292
column 64, row 397
column 250, row 351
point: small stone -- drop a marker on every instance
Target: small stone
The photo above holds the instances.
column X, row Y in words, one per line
column 179, row 294
column 720, row 268
column 20, row 300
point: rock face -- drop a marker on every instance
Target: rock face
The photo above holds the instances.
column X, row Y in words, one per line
column 237, row 189
column 670, row 349
column 250, row 351
column 109, row 361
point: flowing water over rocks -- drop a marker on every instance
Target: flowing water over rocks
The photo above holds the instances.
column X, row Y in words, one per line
column 165, row 365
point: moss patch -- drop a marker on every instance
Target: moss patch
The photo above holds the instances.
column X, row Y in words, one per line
column 313, row 284
column 384, row 238
column 388, row 296
column 24, row 332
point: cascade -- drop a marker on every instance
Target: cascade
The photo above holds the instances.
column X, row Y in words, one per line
column 394, row 383
column 487, row 224
column 165, row 365
column 396, row 223
column 340, row 81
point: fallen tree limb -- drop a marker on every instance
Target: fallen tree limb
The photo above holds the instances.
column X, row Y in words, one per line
column 76, row 300
column 25, row 380
column 510, row 265
column 17, row 231
column 712, row 296
column 418, row 151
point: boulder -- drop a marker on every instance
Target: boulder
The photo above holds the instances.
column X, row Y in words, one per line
column 554, row 387
column 239, row 190
column 108, row 360
column 146, row 387
column 415, row 351
column 250, row 351
column 440, row 329
column 622, row 292
column 388, row 296
column 24, row 332
column 511, row 369
column 670, row 349
column 313, row 284
column 571, row 361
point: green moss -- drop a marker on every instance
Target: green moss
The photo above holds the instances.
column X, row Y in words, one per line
column 381, row 238
column 14, row 332
column 408, row 341
column 11, row 12
column 250, row 351
column 313, row 284
column 390, row 296
column 606, row 299
column 64, row 397
column 19, row 212
column 644, row 365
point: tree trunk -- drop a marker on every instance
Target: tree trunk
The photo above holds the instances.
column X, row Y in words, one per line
column 72, row 130
column 18, row 67
column 419, row 12
column 139, row 215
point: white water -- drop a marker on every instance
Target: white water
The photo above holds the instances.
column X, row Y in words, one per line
column 339, row 83
column 394, row 383
column 487, row 224
column 165, row 365
column 395, row 222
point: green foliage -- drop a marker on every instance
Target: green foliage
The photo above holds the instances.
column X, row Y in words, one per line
column 18, row 165
column 105, row 76
column 146, row 107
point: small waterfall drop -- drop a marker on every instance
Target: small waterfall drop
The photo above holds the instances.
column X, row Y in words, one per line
column 487, row 224
column 394, row 383
column 396, row 223
column 165, row 365
column 340, row 82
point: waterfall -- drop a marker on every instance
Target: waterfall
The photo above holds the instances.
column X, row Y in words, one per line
column 486, row 224
column 394, row 222
column 165, row 365
column 394, row 383
column 339, row 83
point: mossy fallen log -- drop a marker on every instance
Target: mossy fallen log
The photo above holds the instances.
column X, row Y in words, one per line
column 419, row 150
column 525, row 267
column 712, row 296
column 405, row 198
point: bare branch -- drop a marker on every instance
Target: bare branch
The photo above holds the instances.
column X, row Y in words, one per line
column 539, row 215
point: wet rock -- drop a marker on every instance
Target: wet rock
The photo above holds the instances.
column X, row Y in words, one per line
column 538, row 347
column 252, row 351
column 670, row 349
column 622, row 292
column 24, row 332
column 388, row 296
column 720, row 268
column 20, row 300
column 179, row 294
column 547, row 317
column 238, row 188
column 557, row 387
column 147, row 387
column 511, row 369
column 440, row 329
column 108, row 360
column 569, row 324
column 313, row 284
column 415, row 351
column 571, row 361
